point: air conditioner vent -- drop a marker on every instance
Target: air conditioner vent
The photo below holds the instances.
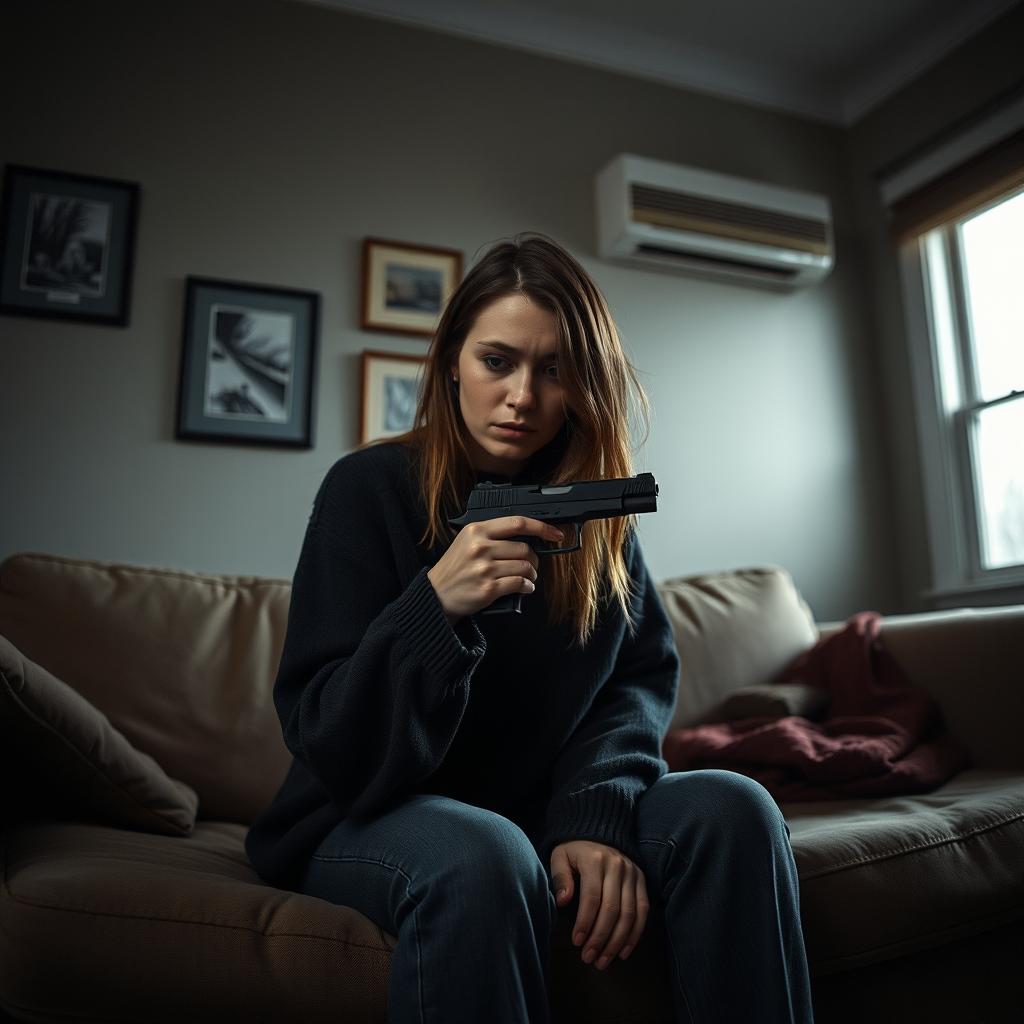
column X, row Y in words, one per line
column 781, row 273
column 676, row 209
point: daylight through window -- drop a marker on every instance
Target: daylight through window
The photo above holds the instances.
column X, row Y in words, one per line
column 976, row 276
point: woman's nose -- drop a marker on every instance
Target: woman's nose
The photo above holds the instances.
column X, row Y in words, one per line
column 521, row 392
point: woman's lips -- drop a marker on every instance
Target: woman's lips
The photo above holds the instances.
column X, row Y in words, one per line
column 511, row 432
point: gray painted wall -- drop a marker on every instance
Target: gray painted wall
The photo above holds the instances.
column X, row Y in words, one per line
column 269, row 138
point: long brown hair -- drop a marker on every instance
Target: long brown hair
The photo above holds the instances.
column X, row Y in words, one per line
column 595, row 375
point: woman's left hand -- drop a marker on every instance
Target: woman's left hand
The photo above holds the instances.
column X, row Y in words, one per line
column 613, row 898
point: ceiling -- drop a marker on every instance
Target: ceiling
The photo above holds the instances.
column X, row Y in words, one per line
column 830, row 60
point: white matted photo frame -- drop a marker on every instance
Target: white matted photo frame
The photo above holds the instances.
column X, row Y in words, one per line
column 67, row 245
column 389, row 394
column 248, row 360
column 406, row 286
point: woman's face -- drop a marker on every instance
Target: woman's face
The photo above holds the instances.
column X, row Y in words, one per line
column 508, row 373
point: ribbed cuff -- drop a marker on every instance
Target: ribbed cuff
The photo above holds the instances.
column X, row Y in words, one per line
column 603, row 814
column 423, row 626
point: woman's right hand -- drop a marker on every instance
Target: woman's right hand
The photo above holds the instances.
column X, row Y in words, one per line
column 483, row 564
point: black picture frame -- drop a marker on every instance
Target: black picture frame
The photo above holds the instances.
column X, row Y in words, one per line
column 248, row 363
column 67, row 245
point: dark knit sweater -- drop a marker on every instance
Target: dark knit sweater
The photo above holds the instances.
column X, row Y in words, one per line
column 380, row 698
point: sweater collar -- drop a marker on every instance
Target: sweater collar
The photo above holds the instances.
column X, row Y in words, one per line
column 537, row 469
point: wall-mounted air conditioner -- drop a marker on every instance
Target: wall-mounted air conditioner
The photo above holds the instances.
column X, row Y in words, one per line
column 659, row 214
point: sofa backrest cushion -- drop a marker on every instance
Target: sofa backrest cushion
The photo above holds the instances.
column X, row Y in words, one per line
column 733, row 629
column 61, row 757
column 971, row 660
column 182, row 664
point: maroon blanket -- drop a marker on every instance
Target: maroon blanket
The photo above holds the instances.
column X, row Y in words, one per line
column 880, row 735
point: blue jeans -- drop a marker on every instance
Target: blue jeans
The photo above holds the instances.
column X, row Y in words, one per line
column 471, row 905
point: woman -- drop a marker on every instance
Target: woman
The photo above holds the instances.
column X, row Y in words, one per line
column 461, row 778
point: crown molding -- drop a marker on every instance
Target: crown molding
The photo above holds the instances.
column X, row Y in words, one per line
column 900, row 69
column 629, row 50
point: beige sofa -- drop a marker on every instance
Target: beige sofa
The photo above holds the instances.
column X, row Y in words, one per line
column 139, row 738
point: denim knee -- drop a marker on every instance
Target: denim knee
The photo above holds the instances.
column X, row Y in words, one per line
column 723, row 799
column 492, row 859
column 750, row 805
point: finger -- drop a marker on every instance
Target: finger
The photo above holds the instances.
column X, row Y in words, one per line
column 608, row 915
column 514, row 568
column 506, row 549
column 643, row 909
column 591, row 878
column 484, row 552
column 561, row 877
column 508, row 586
column 627, row 919
column 518, row 526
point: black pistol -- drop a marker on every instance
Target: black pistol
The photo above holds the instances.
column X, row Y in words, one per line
column 557, row 504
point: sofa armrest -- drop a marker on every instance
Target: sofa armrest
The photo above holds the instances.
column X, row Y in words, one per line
column 971, row 660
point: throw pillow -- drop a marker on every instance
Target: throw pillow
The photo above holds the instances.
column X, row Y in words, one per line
column 733, row 629
column 63, row 757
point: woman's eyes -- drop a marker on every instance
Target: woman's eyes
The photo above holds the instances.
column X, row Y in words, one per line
column 490, row 366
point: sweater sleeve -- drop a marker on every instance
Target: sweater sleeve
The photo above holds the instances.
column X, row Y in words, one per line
column 614, row 754
column 373, row 681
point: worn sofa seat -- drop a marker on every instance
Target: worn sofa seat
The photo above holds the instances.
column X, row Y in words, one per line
column 879, row 878
column 191, row 933
column 180, row 923
column 908, row 872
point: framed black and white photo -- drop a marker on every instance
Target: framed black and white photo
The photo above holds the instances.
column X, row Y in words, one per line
column 406, row 286
column 247, row 363
column 66, row 245
column 389, row 394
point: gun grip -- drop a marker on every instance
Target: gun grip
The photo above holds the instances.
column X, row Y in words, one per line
column 508, row 603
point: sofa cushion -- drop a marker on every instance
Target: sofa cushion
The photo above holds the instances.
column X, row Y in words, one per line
column 732, row 629
column 970, row 661
column 93, row 905
column 112, row 925
column 884, row 877
column 62, row 756
column 182, row 664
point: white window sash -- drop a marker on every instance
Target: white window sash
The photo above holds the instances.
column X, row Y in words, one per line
column 944, row 396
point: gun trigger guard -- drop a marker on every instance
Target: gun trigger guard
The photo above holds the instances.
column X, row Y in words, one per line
column 576, row 545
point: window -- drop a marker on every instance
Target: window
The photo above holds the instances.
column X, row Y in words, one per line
column 955, row 205
column 972, row 274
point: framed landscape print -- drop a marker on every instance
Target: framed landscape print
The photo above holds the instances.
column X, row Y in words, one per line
column 405, row 286
column 248, row 358
column 389, row 394
column 66, row 245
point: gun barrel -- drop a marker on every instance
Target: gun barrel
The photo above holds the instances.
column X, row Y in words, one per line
column 640, row 503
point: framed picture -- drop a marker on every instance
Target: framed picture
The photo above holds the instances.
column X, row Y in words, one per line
column 247, row 363
column 389, row 394
column 66, row 245
column 405, row 287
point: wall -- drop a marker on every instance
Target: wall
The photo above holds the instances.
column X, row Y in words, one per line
column 269, row 138
column 952, row 91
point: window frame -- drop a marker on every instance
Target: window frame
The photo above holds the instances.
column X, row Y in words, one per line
column 947, row 400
